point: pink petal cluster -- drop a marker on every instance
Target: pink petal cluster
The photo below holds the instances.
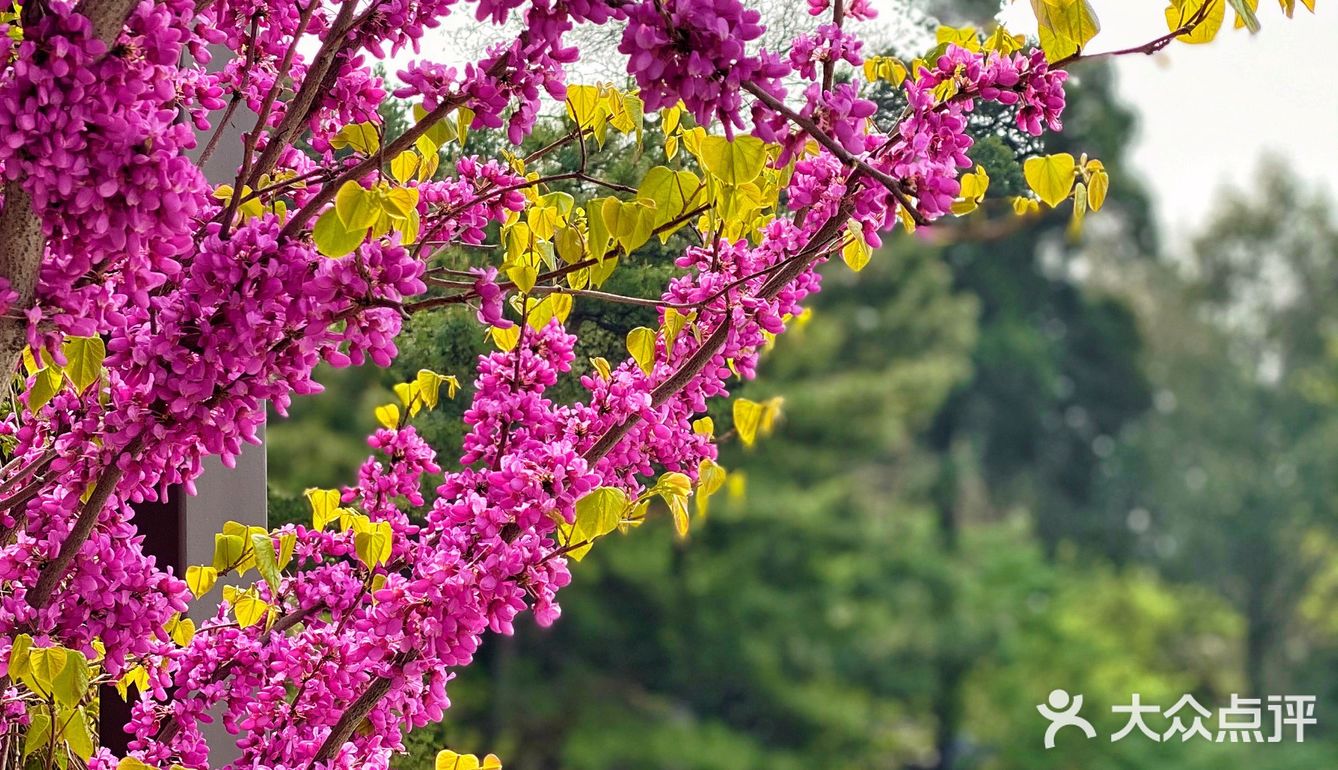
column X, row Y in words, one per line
column 205, row 322
column 696, row 51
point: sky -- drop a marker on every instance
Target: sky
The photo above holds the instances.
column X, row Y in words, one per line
column 1210, row 113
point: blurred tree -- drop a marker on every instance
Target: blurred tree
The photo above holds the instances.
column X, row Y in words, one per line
column 1232, row 484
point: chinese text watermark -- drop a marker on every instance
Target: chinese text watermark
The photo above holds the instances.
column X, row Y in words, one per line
column 1245, row 720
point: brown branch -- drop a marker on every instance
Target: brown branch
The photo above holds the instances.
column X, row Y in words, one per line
column 789, row 270
column 1149, row 48
column 21, row 245
column 811, row 128
column 55, row 569
column 298, row 108
column 357, row 711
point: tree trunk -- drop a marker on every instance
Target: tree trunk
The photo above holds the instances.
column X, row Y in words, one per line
column 21, row 245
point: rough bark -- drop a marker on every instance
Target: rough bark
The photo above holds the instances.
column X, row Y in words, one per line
column 21, row 244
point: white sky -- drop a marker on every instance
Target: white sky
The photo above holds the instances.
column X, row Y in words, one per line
column 1209, row 113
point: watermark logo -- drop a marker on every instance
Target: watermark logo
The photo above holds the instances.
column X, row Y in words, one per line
column 1062, row 711
column 1244, row 720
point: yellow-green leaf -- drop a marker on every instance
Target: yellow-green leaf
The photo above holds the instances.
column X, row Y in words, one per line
column 523, row 276
column 181, row 630
column 404, row 166
column 710, row 478
column 388, row 415
column 39, row 732
column 674, row 488
column 1022, row 205
column 674, row 321
column 600, row 510
column 670, row 191
column 70, row 684
column 267, row 559
column 641, row 344
column 324, row 506
column 200, row 579
column 1098, row 185
column 76, row 734
column 1180, row 12
column 733, row 162
column 356, row 206
column 597, row 232
column 1065, row 26
column 333, row 238
column 747, row 419
column 449, row 760
column 359, row 137
column 401, row 202
column 229, row 552
column 46, row 384
column 464, row 119
column 601, row 365
column 629, row 223
column 373, row 546
column 18, row 655
column 247, row 605
column 83, row 360
column 505, row 339
column 1051, row 176
column 855, row 253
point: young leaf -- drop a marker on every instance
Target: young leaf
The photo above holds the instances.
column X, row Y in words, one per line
column 710, row 478
column 333, row 238
column 1098, row 184
column 200, row 579
column 46, row 384
column 855, row 253
column 247, row 605
column 601, row 365
column 747, row 419
column 674, row 488
column 373, row 546
column 1065, row 26
column 70, row 684
column 267, row 560
column 229, row 552
column 505, row 339
column 83, row 360
column 356, row 206
column 324, row 506
column 1180, row 12
column 388, row 415
column 599, row 511
column 674, row 321
column 1051, row 176
column 404, row 166
column 733, row 162
column 76, row 734
column 641, row 344
column 359, row 137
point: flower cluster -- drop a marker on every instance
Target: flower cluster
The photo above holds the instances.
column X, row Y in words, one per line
column 696, row 51
column 205, row 321
column 94, row 139
column 933, row 140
